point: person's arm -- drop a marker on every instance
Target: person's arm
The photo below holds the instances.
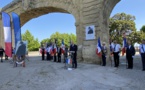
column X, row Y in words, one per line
column 133, row 50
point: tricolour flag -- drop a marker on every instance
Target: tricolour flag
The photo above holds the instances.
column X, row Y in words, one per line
column 62, row 46
column 7, row 33
column 69, row 61
column 53, row 49
column 124, row 46
column 17, row 27
column 98, row 50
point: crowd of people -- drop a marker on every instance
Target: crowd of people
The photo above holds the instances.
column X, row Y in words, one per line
column 54, row 52
column 130, row 53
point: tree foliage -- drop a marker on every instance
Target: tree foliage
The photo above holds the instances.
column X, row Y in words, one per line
column 142, row 32
column 143, row 29
column 59, row 37
column 121, row 23
column 33, row 44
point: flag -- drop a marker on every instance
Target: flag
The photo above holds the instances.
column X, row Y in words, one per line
column 53, row 49
column 17, row 27
column 98, row 50
column 62, row 46
column 124, row 46
column 69, row 61
column 7, row 33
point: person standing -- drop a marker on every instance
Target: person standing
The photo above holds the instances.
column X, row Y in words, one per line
column 74, row 49
column 104, row 52
column 130, row 52
column 116, row 52
column 142, row 53
column 59, row 53
column 65, row 54
column 48, row 52
column 1, row 53
column 43, row 52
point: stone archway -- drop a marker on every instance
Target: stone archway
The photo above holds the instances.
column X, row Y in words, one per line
column 85, row 12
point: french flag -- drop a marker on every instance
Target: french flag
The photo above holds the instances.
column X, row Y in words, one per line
column 7, row 33
column 53, row 50
column 98, row 50
column 124, row 46
column 62, row 47
column 69, row 61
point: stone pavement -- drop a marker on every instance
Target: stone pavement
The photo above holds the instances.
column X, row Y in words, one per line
column 47, row 75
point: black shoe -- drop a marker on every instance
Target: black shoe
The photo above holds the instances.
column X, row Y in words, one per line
column 143, row 70
column 1, row 60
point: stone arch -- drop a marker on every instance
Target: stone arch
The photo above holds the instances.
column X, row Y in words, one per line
column 50, row 6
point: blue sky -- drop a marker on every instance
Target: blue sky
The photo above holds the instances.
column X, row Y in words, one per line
column 43, row 26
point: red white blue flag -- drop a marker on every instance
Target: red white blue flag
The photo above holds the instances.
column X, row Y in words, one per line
column 98, row 50
column 7, row 33
column 69, row 61
column 124, row 44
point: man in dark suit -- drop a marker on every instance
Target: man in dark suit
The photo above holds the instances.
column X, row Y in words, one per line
column 59, row 53
column 74, row 49
column 130, row 52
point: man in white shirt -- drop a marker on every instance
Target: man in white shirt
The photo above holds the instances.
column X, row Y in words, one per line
column 48, row 52
column 116, row 52
column 104, row 52
column 142, row 53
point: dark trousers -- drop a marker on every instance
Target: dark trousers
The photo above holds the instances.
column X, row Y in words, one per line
column 59, row 58
column 65, row 58
column 54, row 58
column 143, row 60
column 130, row 61
column 48, row 56
column 6, row 57
column 103, row 60
column 74, row 61
column 116, row 59
column 1, row 58
column 43, row 56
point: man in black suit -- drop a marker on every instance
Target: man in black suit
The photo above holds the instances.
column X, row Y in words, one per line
column 43, row 52
column 130, row 52
column 59, row 53
column 74, row 49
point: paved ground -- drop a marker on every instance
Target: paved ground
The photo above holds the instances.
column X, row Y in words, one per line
column 47, row 75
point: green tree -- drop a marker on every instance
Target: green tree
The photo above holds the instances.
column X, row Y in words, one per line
column 33, row 44
column 121, row 23
column 59, row 37
column 142, row 32
column 143, row 29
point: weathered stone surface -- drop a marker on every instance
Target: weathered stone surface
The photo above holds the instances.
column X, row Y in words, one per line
column 85, row 12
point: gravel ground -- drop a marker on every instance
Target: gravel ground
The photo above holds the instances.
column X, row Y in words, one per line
column 47, row 75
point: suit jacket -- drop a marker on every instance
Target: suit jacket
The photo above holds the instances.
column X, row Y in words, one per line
column 130, row 51
column 74, row 48
column 59, row 51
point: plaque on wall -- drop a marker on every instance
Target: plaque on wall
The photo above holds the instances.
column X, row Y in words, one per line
column 90, row 32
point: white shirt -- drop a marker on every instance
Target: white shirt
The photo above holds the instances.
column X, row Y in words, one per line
column 48, row 49
column 142, row 48
column 116, row 47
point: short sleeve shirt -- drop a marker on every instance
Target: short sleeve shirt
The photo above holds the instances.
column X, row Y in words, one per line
column 142, row 48
column 116, row 47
